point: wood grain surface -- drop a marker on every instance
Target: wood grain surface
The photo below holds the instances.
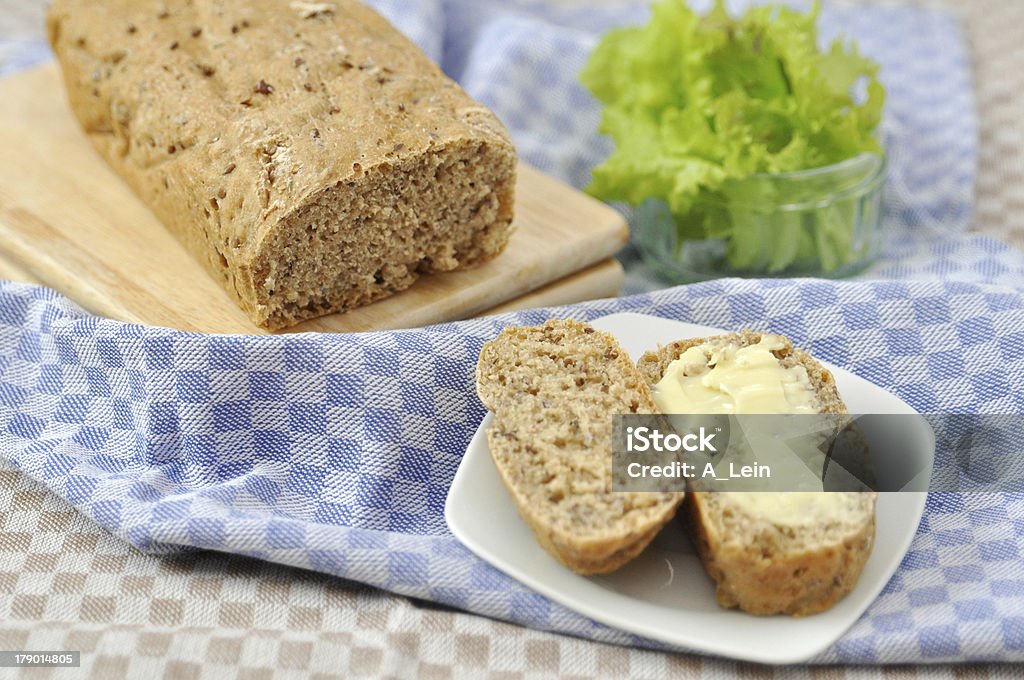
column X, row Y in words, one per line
column 66, row 220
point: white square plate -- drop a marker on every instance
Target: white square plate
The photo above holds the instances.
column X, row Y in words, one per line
column 665, row 594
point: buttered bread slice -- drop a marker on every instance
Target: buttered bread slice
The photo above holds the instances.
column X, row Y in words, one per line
column 553, row 390
column 796, row 552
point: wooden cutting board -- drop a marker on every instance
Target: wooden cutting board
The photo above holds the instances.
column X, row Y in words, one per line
column 67, row 221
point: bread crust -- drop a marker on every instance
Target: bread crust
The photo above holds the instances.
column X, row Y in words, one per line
column 307, row 154
column 757, row 566
column 766, row 576
column 553, row 389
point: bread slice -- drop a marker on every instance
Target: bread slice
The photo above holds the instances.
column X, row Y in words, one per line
column 800, row 566
column 553, row 390
column 308, row 154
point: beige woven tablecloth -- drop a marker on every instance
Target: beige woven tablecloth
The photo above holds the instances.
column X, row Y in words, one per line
column 66, row 584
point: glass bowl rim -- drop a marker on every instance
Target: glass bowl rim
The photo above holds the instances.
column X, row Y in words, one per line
column 862, row 187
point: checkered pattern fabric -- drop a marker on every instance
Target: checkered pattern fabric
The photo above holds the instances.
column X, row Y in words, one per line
column 206, row 615
column 334, row 453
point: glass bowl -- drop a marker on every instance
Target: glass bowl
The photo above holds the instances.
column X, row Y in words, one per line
column 819, row 222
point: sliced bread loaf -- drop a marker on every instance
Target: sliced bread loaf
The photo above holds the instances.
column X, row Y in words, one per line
column 553, row 390
column 792, row 553
column 308, row 154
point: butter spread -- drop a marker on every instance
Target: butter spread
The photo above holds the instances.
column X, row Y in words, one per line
column 731, row 379
column 728, row 379
column 793, row 508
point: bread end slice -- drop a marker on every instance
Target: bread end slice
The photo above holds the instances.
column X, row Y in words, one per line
column 765, row 567
column 554, row 389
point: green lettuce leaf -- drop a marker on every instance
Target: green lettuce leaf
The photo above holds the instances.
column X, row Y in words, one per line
column 701, row 108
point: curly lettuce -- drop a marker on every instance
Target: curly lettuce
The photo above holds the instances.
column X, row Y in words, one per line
column 696, row 105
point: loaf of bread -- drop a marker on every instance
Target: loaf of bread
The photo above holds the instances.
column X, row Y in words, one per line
column 806, row 555
column 309, row 155
column 553, row 390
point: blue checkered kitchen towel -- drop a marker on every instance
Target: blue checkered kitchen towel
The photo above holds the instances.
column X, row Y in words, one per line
column 335, row 452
